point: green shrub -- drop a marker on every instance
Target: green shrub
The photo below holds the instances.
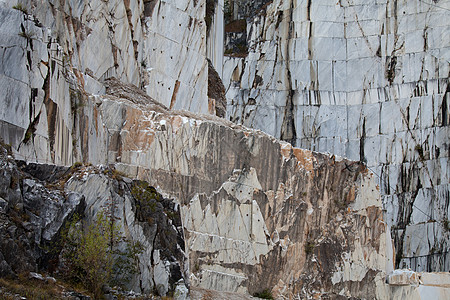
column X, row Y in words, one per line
column 28, row 135
column 21, row 7
column 91, row 256
column 126, row 263
column 76, row 165
column 266, row 294
column 309, row 247
column 142, row 191
column 89, row 252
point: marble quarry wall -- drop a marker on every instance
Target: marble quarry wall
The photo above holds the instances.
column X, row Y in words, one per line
column 124, row 84
column 366, row 80
column 134, row 41
column 53, row 48
column 250, row 204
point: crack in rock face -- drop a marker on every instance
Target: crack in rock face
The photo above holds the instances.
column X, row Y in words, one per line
column 338, row 80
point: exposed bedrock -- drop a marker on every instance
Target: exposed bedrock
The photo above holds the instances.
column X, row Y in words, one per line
column 250, row 212
column 366, row 80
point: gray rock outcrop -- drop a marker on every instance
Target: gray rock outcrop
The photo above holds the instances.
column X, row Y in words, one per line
column 144, row 216
column 36, row 212
column 32, row 216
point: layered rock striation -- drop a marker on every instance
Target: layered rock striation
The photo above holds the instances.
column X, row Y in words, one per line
column 100, row 83
column 48, row 47
column 367, row 80
column 249, row 203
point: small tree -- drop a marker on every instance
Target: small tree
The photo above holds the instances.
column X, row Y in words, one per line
column 91, row 255
column 88, row 252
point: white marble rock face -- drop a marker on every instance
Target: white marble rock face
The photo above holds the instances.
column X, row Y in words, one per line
column 368, row 80
column 234, row 202
column 249, row 200
column 57, row 48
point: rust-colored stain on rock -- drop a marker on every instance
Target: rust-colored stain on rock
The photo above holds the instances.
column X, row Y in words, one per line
column 285, row 150
column 177, row 123
column 173, row 100
column 80, row 77
column 305, row 158
column 96, row 119
column 351, row 194
column 139, row 131
column 211, row 106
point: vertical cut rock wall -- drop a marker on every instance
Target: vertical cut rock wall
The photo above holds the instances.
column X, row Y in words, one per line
column 367, row 80
column 251, row 205
column 215, row 46
column 56, row 53
column 175, row 54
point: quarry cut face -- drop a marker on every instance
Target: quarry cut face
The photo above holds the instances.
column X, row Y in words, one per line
column 127, row 86
column 367, row 80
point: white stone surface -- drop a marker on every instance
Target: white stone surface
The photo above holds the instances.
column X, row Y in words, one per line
column 175, row 50
column 239, row 211
column 215, row 45
column 411, row 285
column 403, row 277
column 369, row 81
column 245, row 197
